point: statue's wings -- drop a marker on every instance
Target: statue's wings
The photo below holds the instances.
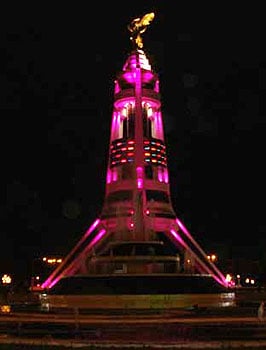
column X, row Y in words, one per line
column 146, row 19
column 138, row 26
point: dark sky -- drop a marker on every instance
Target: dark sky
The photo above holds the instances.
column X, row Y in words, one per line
column 57, row 69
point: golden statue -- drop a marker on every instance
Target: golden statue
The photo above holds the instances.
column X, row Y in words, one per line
column 138, row 26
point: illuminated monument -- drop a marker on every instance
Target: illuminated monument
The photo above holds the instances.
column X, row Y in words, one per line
column 137, row 231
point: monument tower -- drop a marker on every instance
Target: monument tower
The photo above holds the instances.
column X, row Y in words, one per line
column 138, row 231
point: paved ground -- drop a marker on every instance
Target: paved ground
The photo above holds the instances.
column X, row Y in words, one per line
column 132, row 332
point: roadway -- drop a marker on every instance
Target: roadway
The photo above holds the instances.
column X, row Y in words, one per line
column 173, row 329
column 230, row 328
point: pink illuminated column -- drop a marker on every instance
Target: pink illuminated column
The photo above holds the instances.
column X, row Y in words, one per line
column 139, row 157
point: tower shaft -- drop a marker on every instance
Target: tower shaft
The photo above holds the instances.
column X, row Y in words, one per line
column 139, row 225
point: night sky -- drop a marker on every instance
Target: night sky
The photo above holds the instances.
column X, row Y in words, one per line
column 58, row 64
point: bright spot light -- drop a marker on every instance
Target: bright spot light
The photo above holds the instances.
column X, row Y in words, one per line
column 6, row 279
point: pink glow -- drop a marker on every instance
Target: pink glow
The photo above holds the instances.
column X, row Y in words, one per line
column 177, row 237
column 163, row 175
column 117, row 88
column 160, row 174
column 72, row 268
column 130, row 77
column 139, row 177
column 97, row 238
column 157, row 89
column 92, row 227
column 166, row 177
column 158, row 126
column 109, row 176
column 183, row 228
column 160, row 123
column 115, row 175
column 200, row 262
column 49, row 280
column 131, row 64
column 114, row 126
column 116, row 131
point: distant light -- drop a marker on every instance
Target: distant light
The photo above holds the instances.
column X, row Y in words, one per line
column 52, row 260
column 6, row 279
column 212, row 257
column 5, row 309
column 228, row 278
